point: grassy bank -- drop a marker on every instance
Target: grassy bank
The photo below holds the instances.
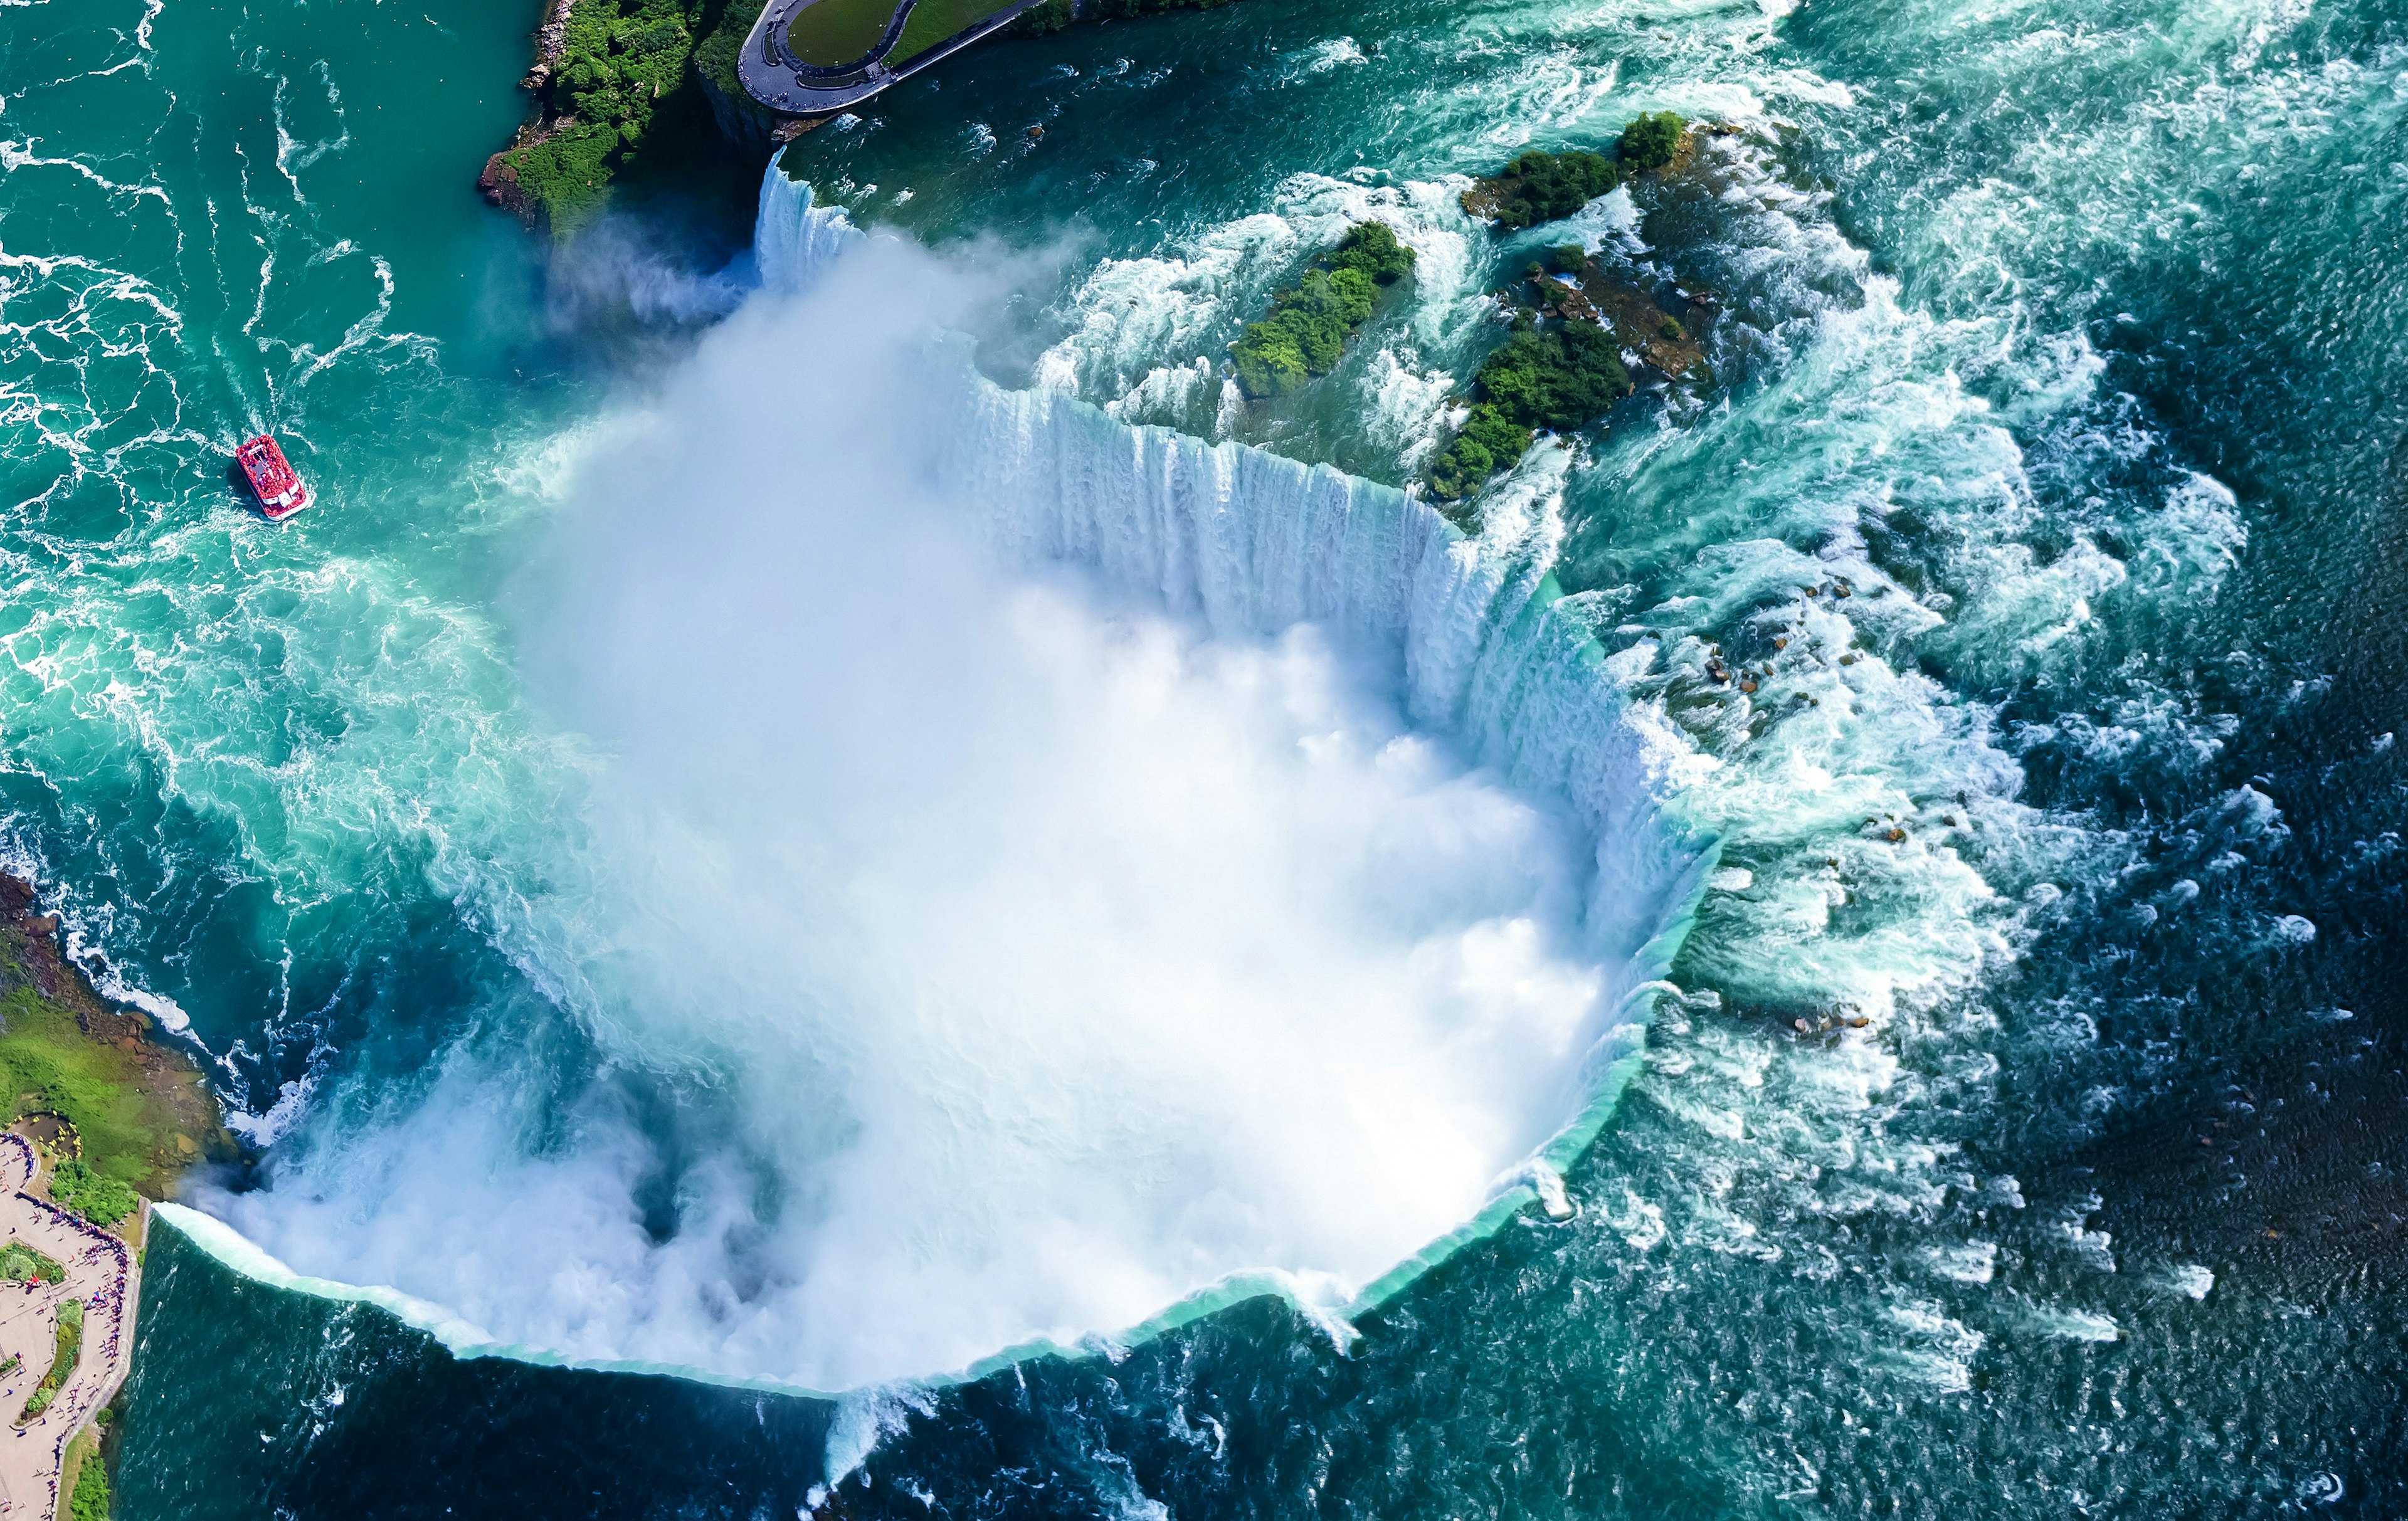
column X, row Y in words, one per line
column 84, row 1480
column 131, row 1114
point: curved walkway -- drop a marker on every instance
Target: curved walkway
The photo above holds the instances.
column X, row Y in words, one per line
column 772, row 74
column 100, row 1272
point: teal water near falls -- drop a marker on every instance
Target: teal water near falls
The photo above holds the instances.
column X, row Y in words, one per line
column 796, row 854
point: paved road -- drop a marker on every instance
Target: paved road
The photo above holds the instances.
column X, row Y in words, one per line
column 100, row 1272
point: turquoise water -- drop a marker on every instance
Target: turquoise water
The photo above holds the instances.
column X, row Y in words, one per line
column 477, row 827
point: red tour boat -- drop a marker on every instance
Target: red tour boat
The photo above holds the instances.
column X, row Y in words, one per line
column 281, row 492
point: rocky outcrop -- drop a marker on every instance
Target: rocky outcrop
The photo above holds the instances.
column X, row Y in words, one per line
column 744, row 121
column 499, row 185
column 549, row 39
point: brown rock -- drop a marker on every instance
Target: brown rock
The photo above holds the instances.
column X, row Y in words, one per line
column 499, row 184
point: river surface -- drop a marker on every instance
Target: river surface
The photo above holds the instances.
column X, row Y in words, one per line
column 842, row 870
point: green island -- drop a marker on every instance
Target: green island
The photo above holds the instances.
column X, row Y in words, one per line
column 1558, row 379
column 63, row 1361
column 1562, row 365
column 1537, row 186
column 1540, row 186
column 1312, row 322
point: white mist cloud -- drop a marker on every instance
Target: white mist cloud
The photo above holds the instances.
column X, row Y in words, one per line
column 1021, row 960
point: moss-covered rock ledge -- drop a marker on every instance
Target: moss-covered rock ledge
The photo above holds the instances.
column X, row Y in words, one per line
column 115, row 1107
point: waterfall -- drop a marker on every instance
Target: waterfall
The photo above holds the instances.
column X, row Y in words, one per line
column 792, row 237
column 930, row 900
column 1249, row 542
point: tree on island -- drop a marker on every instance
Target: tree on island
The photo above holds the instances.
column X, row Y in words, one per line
column 1649, row 142
column 1311, row 323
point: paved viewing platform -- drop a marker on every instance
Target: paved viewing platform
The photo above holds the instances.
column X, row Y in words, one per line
column 774, row 75
column 100, row 1271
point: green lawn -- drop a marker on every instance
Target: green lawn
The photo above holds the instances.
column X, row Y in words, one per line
column 830, row 31
column 936, row 20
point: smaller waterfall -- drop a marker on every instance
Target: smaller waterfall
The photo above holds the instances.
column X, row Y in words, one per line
column 792, row 237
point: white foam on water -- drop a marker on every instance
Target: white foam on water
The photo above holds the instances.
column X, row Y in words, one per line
column 1035, row 956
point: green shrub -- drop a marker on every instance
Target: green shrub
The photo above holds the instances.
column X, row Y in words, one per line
column 715, row 56
column 89, row 1500
column 1052, row 16
column 1558, row 380
column 63, row 1361
column 1542, row 187
column 19, row 1262
column 1673, row 330
column 1311, row 323
column 1649, row 142
column 102, row 1200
